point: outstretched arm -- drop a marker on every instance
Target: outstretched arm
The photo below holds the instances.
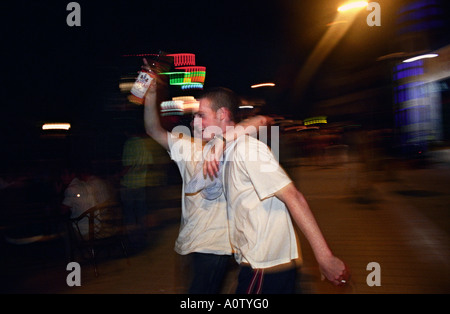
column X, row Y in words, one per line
column 330, row 266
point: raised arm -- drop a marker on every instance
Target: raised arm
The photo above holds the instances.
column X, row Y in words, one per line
column 330, row 266
column 151, row 116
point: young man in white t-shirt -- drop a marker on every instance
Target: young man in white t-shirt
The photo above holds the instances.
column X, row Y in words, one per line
column 260, row 199
column 204, row 223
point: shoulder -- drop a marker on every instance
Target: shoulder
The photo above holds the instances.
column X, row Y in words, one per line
column 131, row 141
column 74, row 183
column 181, row 138
column 247, row 143
column 182, row 147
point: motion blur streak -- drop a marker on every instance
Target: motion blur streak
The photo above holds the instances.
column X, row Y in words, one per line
column 328, row 41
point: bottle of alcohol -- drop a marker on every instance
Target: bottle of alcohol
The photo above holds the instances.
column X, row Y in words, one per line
column 143, row 81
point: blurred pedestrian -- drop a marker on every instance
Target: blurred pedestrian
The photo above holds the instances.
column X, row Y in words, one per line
column 137, row 175
column 84, row 191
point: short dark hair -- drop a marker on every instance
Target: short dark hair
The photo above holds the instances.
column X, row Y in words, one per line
column 223, row 97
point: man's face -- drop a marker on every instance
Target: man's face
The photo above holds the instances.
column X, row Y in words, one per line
column 205, row 118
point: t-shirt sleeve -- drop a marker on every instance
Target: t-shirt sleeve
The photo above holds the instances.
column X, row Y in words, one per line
column 262, row 168
column 179, row 146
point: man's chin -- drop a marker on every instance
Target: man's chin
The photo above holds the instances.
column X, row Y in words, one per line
column 201, row 137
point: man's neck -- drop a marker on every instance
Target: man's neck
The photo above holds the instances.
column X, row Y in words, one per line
column 228, row 125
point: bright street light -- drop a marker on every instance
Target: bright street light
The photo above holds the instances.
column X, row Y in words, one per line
column 56, row 126
column 353, row 5
column 262, row 85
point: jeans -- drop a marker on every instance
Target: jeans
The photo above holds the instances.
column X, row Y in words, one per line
column 255, row 281
column 209, row 271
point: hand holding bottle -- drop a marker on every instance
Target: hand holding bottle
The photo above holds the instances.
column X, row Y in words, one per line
column 146, row 77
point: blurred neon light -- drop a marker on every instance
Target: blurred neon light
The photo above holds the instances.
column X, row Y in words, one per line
column 245, row 107
column 141, row 55
column 196, row 74
column 181, row 78
column 172, row 105
column 178, row 78
column 180, row 59
column 314, row 120
column 186, row 74
column 262, row 85
column 184, row 98
column 425, row 56
column 353, row 5
column 56, row 126
column 179, row 105
column 192, row 86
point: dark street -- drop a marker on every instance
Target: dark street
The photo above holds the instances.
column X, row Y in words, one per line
column 396, row 217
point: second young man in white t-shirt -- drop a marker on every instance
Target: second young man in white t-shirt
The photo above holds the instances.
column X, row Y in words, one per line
column 261, row 199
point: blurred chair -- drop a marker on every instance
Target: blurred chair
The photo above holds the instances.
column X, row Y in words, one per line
column 106, row 231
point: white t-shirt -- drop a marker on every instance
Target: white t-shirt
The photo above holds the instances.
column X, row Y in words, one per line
column 79, row 198
column 204, row 223
column 261, row 230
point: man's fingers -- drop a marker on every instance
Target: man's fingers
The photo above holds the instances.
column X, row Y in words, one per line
column 205, row 169
column 146, row 66
column 210, row 168
column 215, row 167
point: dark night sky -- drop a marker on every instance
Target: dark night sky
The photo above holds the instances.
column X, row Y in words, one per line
column 51, row 71
column 53, row 67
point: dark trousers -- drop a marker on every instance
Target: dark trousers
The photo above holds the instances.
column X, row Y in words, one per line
column 208, row 273
column 256, row 281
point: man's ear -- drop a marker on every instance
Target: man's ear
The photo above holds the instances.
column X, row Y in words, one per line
column 223, row 113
